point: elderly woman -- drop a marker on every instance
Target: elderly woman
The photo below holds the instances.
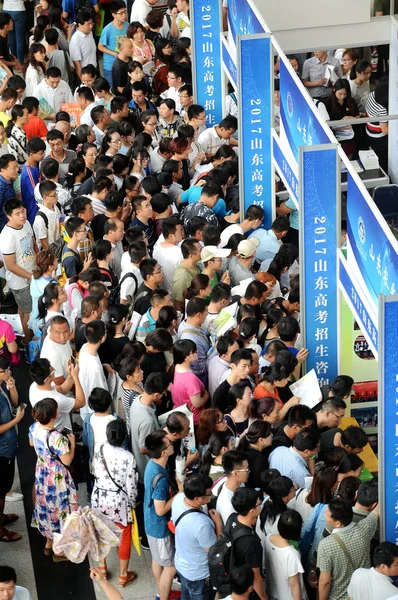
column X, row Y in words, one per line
column 115, row 491
column 55, row 490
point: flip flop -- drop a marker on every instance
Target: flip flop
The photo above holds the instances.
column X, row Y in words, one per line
column 126, row 579
column 10, row 518
column 9, row 536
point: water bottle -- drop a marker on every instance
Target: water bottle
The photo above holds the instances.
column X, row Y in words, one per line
column 180, row 468
column 374, row 59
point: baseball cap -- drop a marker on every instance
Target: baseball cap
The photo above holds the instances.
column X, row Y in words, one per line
column 247, row 248
column 209, row 252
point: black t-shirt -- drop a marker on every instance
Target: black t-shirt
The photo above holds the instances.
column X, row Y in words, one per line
column 247, row 549
column 221, row 397
column 108, row 277
column 5, row 49
column 120, row 75
column 280, row 438
column 143, row 299
column 257, row 464
column 153, row 363
column 111, row 348
column 80, row 336
column 327, row 439
column 87, row 187
column 98, row 225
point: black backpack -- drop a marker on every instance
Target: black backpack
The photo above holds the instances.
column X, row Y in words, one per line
column 221, row 557
column 114, row 293
column 58, row 245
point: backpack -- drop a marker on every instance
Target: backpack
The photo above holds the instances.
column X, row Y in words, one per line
column 35, row 345
column 59, row 244
column 221, row 559
column 85, row 5
column 63, row 278
column 114, row 293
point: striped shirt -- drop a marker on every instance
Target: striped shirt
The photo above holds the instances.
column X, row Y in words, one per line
column 374, row 109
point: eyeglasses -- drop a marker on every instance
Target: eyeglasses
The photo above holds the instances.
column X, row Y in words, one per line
column 337, row 416
column 122, row 12
column 168, row 446
column 116, row 142
column 158, row 272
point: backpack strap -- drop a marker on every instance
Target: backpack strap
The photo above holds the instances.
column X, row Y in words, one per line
column 43, row 216
column 52, row 451
column 119, row 488
column 194, row 332
column 344, row 548
column 186, row 512
column 129, row 276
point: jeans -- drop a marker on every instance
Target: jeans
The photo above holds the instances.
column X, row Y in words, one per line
column 17, row 35
column 108, row 76
column 196, row 590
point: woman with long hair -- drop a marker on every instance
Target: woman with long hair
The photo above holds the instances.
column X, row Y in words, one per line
column 240, row 396
column 359, row 84
column 88, row 152
column 377, row 132
column 266, row 409
column 42, row 23
column 127, row 134
column 17, row 138
column 50, row 303
column 168, row 319
column 64, row 31
column 163, row 51
column 103, row 254
column 55, row 491
column 275, row 376
column 75, row 176
column 43, row 273
column 340, row 105
column 321, row 491
column 350, row 466
column 140, row 159
column 116, row 337
column 199, row 287
column 132, row 376
column 211, row 420
column 111, row 142
column 211, row 464
column 149, row 122
column 35, row 69
column 280, row 490
column 256, row 440
column 186, row 387
column 181, row 147
column 183, row 51
column 77, row 290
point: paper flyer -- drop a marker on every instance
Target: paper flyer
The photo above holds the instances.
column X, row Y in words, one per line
column 307, row 389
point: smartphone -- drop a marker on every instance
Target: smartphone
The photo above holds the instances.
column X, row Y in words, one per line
column 66, row 431
column 22, row 405
column 73, row 361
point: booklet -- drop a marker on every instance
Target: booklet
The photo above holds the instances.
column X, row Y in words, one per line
column 307, row 389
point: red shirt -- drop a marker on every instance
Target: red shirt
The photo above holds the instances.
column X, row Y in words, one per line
column 35, row 127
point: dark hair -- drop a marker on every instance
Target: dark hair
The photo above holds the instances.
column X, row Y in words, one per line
column 274, row 372
column 286, row 360
column 183, row 43
column 94, row 331
column 182, row 349
column 299, row 415
column 195, row 306
column 211, row 235
column 197, row 485
column 49, row 167
column 34, row 145
column 384, row 554
column 266, row 477
column 53, row 72
column 42, row 22
column 99, row 400
column 354, row 437
column 151, row 185
column 82, row 17
column 169, row 102
column 278, row 488
column 334, row 457
column 217, row 441
column 137, row 251
column 176, row 422
column 101, row 249
column 116, row 432
column 241, row 579
column 160, row 44
column 16, row 112
column 232, row 460
column 236, row 392
column 73, row 224
column 154, row 443
column 51, row 36
column 7, row 573
column 34, row 48
column 288, row 328
column 244, row 499
column 321, row 489
column 359, row 67
column 46, row 300
column 332, row 404
column 39, row 370
column 167, row 314
column 126, row 367
column 11, row 204
column 76, row 167
column 341, row 510
column 349, row 462
column 348, row 489
column 16, row 82
column 258, row 429
column 306, row 439
column 45, row 410
column 289, row 525
column 147, row 267
column 255, row 289
column 368, row 493
column 116, row 314
column 248, row 328
column 224, row 342
column 264, row 406
column 159, row 339
column 30, row 102
column 229, row 122
column 342, row 385
column 97, row 113
column 188, row 246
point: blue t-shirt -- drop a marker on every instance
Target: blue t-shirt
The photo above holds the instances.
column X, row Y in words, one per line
column 294, row 215
column 8, row 439
column 110, row 37
column 194, row 533
column 69, row 6
column 193, row 194
column 155, row 525
column 30, row 177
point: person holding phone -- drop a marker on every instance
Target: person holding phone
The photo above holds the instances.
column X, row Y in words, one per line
column 8, row 444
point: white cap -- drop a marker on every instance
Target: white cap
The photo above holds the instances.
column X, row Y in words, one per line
column 247, row 248
column 209, row 252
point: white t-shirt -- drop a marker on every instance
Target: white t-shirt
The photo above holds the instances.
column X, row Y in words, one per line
column 228, row 232
column 58, row 355
column 91, row 375
column 168, row 258
column 65, row 404
column 55, row 97
column 140, row 11
column 283, row 563
column 20, row 243
column 40, row 229
column 368, row 584
column 224, row 504
column 128, row 287
column 14, row 5
column 99, row 425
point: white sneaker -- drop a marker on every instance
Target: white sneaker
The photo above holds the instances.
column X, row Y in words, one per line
column 14, row 496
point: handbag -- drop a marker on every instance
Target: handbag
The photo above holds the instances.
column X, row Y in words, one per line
column 307, row 540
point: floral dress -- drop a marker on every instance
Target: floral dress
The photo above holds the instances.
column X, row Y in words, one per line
column 55, row 489
column 115, row 494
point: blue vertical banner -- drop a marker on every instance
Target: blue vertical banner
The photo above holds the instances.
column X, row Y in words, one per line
column 207, row 25
column 255, row 143
column 300, row 123
column 243, row 19
column 318, row 168
column 388, row 417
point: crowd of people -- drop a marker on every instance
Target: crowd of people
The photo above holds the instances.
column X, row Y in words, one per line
column 161, row 331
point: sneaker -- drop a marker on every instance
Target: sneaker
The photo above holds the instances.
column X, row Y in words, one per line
column 157, row 597
column 14, row 497
column 144, row 543
column 20, row 343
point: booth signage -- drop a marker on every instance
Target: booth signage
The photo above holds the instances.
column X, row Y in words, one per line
column 285, row 169
column 254, row 102
column 243, row 19
column 375, row 253
column 318, row 258
column 229, row 63
column 206, row 21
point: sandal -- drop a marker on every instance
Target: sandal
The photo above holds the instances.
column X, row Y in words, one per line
column 9, row 536
column 48, row 551
column 7, row 519
column 104, row 570
column 126, row 579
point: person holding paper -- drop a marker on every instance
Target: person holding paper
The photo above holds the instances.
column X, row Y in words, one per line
column 317, row 74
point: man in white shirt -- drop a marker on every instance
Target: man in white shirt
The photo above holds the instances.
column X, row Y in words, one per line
column 18, row 247
column 236, row 469
column 214, row 137
column 271, row 240
column 85, row 100
column 368, row 584
column 82, row 47
column 57, row 349
column 91, row 373
column 220, row 365
column 175, row 82
column 140, row 10
column 168, row 253
column 160, row 155
column 102, row 186
column 180, row 22
column 8, row 588
column 131, row 278
column 46, row 223
column 53, row 90
column 43, row 386
column 114, row 233
column 101, row 118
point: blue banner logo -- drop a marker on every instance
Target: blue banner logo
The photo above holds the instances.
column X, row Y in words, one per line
column 205, row 15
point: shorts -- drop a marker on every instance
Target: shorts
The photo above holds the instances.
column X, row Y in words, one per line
column 162, row 550
column 23, row 299
column 7, row 470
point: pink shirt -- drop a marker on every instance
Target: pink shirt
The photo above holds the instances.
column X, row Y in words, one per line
column 185, row 386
